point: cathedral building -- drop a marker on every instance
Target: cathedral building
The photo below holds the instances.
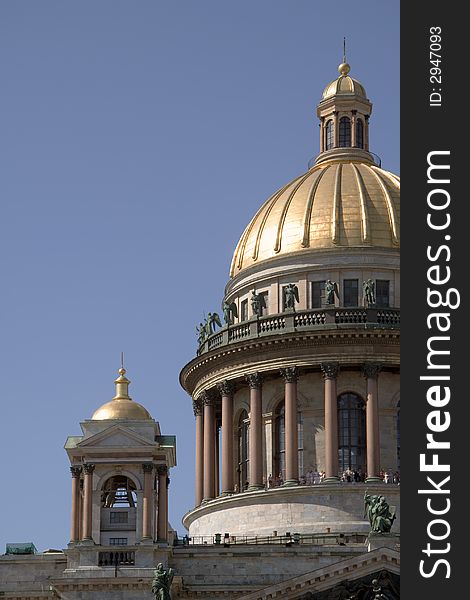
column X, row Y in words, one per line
column 296, row 402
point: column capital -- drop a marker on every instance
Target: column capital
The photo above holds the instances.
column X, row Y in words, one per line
column 370, row 370
column 226, row 387
column 147, row 467
column 330, row 370
column 206, row 399
column 162, row 470
column 75, row 470
column 254, row 380
column 88, row 468
column 198, row 407
column 290, row 374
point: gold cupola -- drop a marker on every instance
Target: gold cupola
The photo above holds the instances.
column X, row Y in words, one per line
column 121, row 406
column 345, row 199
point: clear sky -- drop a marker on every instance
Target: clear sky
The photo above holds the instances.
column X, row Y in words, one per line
column 137, row 139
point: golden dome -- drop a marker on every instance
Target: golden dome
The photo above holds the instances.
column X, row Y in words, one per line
column 121, row 406
column 337, row 203
column 344, row 85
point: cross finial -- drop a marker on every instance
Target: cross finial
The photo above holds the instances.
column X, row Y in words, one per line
column 344, row 50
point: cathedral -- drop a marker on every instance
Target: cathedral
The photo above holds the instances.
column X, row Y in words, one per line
column 296, row 400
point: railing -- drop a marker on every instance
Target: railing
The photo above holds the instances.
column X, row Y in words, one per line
column 306, row 320
column 118, row 557
column 287, row 539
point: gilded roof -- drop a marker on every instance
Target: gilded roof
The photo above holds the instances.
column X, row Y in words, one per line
column 335, row 204
column 121, row 408
column 344, row 85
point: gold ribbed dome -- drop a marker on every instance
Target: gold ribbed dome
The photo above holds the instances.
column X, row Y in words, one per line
column 337, row 203
column 344, row 85
column 121, row 406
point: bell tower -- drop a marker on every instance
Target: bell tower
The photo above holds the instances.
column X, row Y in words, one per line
column 120, row 476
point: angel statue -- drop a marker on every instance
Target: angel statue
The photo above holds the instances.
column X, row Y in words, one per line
column 291, row 295
column 201, row 333
column 331, row 290
column 368, row 290
column 230, row 312
column 257, row 303
column 212, row 320
column 161, row 583
column 378, row 511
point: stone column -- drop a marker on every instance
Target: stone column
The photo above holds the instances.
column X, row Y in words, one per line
column 371, row 373
column 366, row 133
column 209, row 446
column 256, row 432
column 330, row 373
column 147, row 502
column 322, row 134
column 290, row 376
column 87, row 501
column 199, row 475
column 226, row 389
column 162, row 520
column 353, row 128
column 75, row 524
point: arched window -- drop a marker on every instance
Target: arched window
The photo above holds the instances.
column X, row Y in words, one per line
column 351, row 432
column 344, row 132
column 330, row 135
column 243, row 451
column 359, row 134
column 118, row 514
column 118, row 491
column 280, row 443
column 398, row 435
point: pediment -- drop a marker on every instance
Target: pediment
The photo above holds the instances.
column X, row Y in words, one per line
column 116, row 436
column 340, row 580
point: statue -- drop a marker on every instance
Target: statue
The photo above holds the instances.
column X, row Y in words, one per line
column 212, row 320
column 378, row 511
column 161, row 583
column 291, row 295
column 257, row 303
column 331, row 289
column 201, row 334
column 368, row 290
column 230, row 312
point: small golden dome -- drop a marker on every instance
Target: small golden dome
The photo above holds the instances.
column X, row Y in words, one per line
column 337, row 203
column 344, row 84
column 121, row 406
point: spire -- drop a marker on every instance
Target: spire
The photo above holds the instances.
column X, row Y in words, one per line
column 122, row 384
column 344, row 50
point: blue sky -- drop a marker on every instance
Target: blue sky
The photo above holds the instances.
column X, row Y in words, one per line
column 137, row 139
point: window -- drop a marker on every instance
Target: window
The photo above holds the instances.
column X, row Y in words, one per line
column 330, row 137
column 244, row 310
column 243, row 451
column 118, row 517
column 382, row 293
column 118, row 541
column 398, row 435
column 344, row 132
column 264, row 303
column 359, row 134
column 351, row 432
column 318, row 294
column 350, row 292
column 118, row 491
column 280, row 443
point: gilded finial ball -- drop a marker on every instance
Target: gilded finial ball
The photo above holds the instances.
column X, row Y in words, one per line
column 122, row 371
column 344, row 68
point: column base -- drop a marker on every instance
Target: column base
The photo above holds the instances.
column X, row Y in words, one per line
column 146, row 541
column 290, row 482
column 206, row 500
column 227, row 493
column 331, row 479
column 373, row 479
column 255, row 487
column 86, row 542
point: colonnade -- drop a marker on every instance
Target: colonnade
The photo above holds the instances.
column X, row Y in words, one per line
column 207, row 427
column 82, row 502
